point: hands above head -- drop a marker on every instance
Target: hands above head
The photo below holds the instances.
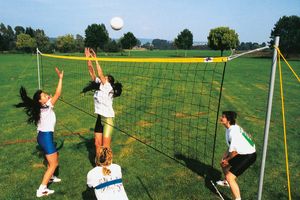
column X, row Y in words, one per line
column 92, row 53
column 87, row 52
column 60, row 74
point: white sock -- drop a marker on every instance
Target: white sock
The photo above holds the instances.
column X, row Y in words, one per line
column 238, row 198
column 42, row 187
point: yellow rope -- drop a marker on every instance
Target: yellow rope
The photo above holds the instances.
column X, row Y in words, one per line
column 284, row 129
column 159, row 60
column 279, row 52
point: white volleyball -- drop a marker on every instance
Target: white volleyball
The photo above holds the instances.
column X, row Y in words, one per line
column 116, row 23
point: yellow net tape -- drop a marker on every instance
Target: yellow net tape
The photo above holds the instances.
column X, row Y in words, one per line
column 284, row 129
column 152, row 60
column 279, row 52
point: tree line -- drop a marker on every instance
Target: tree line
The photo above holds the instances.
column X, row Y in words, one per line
column 26, row 39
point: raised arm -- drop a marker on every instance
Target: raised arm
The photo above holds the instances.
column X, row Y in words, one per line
column 59, row 86
column 99, row 69
column 89, row 64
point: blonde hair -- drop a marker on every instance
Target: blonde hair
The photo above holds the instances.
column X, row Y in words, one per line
column 104, row 159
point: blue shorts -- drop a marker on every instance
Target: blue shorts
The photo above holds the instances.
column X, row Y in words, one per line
column 45, row 140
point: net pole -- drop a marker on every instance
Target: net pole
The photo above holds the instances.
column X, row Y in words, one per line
column 38, row 68
column 217, row 119
column 268, row 118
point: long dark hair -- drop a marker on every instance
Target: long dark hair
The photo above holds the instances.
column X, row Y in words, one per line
column 117, row 87
column 32, row 107
column 91, row 86
column 231, row 116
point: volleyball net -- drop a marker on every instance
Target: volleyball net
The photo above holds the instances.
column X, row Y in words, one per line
column 169, row 104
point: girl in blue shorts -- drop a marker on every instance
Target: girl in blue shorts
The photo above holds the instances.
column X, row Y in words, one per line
column 40, row 112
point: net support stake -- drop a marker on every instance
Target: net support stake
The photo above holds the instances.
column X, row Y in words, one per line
column 268, row 118
column 38, row 68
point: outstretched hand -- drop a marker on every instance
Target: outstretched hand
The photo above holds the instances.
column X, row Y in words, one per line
column 60, row 74
column 87, row 52
column 92, row 53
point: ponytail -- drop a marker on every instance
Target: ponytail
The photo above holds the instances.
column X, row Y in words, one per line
column 31, row 106
column 117, row 87
column 104, row 159
column 106, row 171
column 91, row 86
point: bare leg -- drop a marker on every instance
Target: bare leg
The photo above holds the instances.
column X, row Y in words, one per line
column 106, row 141
column 108, row 130
column 98, row 140
column 231, row 179
column 52, row 164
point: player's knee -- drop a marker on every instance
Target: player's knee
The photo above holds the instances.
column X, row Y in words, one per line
column 229, row 177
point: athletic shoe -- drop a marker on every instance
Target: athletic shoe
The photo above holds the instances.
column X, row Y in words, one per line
column 54, row 179
column 223, row 183
column 44, row 192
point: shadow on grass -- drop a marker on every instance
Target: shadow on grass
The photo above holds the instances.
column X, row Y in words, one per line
column 89, row 143
column 145, row 188
column 203, row 170
column 88, row 194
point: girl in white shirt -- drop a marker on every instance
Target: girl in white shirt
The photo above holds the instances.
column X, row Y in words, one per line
column 40, row 112
column 106, row 178
column 105, row 90
column 240, row 155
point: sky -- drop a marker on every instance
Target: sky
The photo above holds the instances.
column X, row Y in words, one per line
column 252, row 20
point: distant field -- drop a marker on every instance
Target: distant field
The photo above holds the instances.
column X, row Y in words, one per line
column 148, row 174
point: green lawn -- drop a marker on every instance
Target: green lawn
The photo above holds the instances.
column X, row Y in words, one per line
column 147, row 174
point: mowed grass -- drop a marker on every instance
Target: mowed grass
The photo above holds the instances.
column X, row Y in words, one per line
column 147, row 174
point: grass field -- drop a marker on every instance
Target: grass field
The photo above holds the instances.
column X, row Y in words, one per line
column 148, row 174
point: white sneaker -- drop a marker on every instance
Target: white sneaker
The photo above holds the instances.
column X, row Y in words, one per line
column 44, row 192
column 223, row 183
column 54, row 179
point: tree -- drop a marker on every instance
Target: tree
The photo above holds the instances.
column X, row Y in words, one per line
column 128, row 41
column 288, row 28
column 161, row 44
column 79, row 43
column 184, row 40
column 223, row 38
column 65, row 43
column 29, row 31
column 8, row 38
column 42, row 41
column 148, row 45
column 25, row 43
column 112, row 46
column 19, row 30
column 96, row 36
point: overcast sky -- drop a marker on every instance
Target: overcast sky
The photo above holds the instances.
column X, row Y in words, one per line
column 253, row 20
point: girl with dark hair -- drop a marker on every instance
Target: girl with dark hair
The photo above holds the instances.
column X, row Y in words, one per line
column 105, row 90
column 40, row 112
column 106, row 177
column 239, row 156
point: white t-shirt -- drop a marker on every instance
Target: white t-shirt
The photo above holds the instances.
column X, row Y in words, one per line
column 238, row 140
column 48, row 119
column 103, row 99
column 115, row 191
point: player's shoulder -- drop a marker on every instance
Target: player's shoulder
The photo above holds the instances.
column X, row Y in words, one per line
column 93, row 171
column 115, row 167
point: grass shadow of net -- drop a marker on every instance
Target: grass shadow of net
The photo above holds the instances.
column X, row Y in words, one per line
column 203, row 170
column 89, row 144
column 41, row 154
column 144, row 187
